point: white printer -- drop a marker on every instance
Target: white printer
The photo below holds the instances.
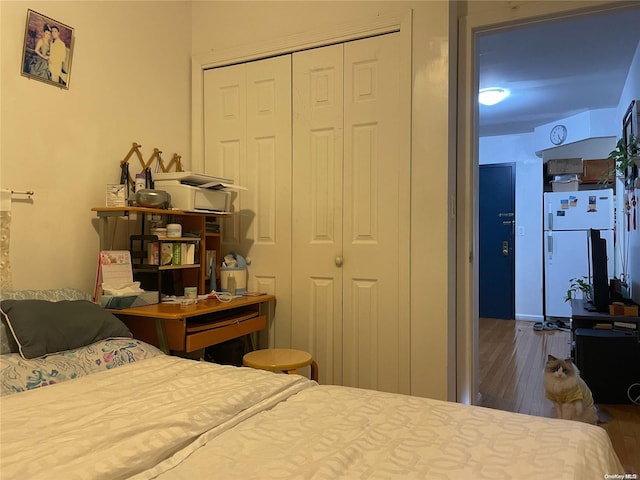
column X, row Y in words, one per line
column 196, row 192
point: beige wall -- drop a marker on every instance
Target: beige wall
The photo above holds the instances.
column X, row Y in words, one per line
column 130, row 82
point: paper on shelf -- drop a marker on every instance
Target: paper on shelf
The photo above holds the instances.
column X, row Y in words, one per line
column 219, row 185
column 115, row 268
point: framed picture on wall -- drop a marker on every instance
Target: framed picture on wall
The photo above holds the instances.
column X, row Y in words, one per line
column 631, row 136
column 47, row 50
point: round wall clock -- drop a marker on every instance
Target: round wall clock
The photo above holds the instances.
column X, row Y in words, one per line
column 558, row 134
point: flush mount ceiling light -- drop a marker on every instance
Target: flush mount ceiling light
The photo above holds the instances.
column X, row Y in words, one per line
column 493, row 95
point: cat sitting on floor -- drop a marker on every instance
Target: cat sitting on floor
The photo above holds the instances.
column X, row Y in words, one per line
column 568, row 392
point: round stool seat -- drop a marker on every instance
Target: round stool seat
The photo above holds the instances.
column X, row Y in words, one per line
column 280, row 360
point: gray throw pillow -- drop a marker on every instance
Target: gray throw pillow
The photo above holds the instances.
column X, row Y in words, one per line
column 41, row 327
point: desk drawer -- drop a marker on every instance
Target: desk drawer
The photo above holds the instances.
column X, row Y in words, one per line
column 195, row 341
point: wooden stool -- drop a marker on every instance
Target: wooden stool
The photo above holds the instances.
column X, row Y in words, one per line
column 281, row 360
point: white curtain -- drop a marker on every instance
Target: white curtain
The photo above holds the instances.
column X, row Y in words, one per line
column 5, row 236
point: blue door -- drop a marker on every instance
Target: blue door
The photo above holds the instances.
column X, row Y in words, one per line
column 496, row 240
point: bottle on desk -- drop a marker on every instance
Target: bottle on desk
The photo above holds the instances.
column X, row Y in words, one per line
column 231, row 285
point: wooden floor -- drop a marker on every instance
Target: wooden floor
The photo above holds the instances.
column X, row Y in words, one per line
column 511, row 360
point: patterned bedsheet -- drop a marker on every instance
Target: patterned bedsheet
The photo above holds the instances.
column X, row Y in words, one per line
column 18, row 374
column 171, row 418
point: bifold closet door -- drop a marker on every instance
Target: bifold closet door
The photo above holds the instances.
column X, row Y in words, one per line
column 317, row 207
column 351, row 212
column 247, row 110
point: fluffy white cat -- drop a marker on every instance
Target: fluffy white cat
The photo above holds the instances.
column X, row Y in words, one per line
column 568, row 392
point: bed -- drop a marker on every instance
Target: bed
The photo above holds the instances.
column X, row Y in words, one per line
column 119, row 408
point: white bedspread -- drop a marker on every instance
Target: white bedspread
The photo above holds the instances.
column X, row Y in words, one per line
column 337, row 432
column 120, row 422
column 171, row 418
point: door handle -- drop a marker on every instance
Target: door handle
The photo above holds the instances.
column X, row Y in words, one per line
column 505, row 248
column 338, row 261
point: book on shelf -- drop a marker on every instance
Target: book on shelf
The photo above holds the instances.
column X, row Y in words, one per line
column 188, row 253
column 166, row 253
column 603, row 326
column 627, row 325
column 210, row 259
column 153, row 253
column 176, row 259
column 174, row 253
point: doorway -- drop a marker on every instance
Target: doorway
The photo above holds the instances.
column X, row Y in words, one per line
column 469, row 282
column 496, row 225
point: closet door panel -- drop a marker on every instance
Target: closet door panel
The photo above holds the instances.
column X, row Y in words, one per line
column 376, row 216
column 317, row 208
column 253, row 147
column 225, row 129
column 267, row 175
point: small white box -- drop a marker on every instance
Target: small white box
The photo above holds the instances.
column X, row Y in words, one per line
column 116, row 195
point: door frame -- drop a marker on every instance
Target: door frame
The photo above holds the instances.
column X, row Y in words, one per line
column 506, row 15
column 399, row 22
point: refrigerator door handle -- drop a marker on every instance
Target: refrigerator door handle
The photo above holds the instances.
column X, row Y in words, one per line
column 550, row 245
column 550, row 217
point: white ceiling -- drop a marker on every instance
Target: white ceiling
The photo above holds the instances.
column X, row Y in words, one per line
column 556, row 69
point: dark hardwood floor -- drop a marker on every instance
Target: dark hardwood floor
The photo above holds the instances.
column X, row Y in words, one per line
column 511, row 359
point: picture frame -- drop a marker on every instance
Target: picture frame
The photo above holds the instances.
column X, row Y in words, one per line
column 43, row 56
column 631, row 134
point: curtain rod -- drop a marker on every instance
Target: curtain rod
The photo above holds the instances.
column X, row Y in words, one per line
column 16, row 192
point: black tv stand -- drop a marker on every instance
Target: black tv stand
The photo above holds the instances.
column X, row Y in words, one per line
column 606, row 351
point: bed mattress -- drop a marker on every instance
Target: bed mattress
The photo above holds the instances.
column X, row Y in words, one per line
column 171, row 418
column 334, row 432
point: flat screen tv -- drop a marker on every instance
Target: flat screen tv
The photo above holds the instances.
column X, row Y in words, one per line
column 599, row 273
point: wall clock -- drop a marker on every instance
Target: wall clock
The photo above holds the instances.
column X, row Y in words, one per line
column 558, row 134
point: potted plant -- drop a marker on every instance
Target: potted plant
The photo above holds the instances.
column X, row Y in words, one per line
column 625, row 155
column 578, row 285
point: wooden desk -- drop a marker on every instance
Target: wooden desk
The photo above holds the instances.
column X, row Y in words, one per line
column 187, row 328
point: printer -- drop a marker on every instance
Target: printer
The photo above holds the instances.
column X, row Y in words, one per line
column 196, row 192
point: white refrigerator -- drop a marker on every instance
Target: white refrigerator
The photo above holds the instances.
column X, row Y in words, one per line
column 568, row 216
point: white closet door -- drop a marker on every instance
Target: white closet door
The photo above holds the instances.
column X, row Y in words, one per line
column 376, row 215
column 248, row 139
column 317, row 208
column 351, row 212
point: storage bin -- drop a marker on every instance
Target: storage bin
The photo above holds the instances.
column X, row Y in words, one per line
column 565, row 185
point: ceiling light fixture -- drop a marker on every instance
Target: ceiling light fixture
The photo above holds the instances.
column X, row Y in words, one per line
column 493, row 95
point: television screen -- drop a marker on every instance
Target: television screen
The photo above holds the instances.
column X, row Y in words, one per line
column 600, row 275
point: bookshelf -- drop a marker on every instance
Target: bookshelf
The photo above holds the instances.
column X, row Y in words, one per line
column 201, row 232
